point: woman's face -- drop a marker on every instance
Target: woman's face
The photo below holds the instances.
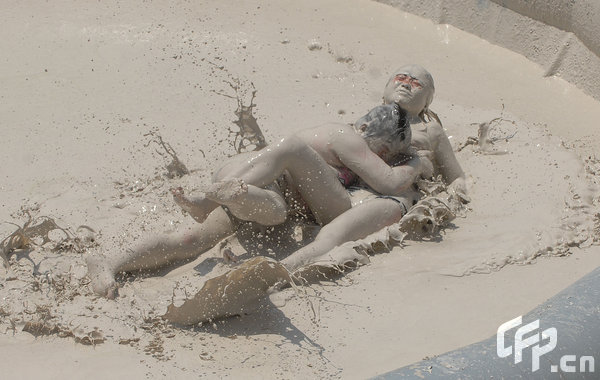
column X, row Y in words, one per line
column 411, row 87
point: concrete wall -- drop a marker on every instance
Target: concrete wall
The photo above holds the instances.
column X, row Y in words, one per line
column 563, row 36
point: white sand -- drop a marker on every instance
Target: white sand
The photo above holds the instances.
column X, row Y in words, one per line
column 83, row 84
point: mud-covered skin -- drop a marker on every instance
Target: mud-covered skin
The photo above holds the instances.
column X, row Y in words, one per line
column 308, row 156
column 412, row 87
column 305, row 156
column 428, row 136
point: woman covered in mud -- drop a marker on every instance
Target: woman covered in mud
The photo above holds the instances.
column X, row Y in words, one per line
column 412, row 88
column 313, row 167
column 316, row 163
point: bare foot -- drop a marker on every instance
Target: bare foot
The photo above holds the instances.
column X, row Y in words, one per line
column 199, row 208
column 103, row 280
column 227, row 192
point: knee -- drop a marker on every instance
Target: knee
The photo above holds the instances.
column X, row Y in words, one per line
column 394, row 212
column 292, row 144
column 232, row 166
column 331, row 235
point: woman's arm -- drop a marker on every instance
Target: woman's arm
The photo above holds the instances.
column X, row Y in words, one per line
column 446, row 161
column 444, row 157
column 354, row 153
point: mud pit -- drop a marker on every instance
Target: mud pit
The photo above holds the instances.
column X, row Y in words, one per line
column 84, row 85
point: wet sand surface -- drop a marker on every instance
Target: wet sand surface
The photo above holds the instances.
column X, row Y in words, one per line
column 85, row 84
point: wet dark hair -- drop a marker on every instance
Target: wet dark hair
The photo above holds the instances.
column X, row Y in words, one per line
column 402, row 123
column 386, row 125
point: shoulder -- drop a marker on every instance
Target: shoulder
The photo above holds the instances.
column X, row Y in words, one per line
column 345, row 137
column 434, row 129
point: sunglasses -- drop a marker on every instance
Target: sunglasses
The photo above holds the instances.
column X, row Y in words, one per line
column 412, row 81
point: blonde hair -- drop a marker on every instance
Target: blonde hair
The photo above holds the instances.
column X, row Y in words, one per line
column 430, row 116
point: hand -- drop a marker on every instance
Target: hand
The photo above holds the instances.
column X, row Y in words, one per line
column 425, row 166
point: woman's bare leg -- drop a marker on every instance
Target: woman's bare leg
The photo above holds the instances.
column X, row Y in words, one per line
column 315, row 179
column 251, row 203
column 199, row 208
column 158, row 253
column 264, row 206
column 354, row 224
